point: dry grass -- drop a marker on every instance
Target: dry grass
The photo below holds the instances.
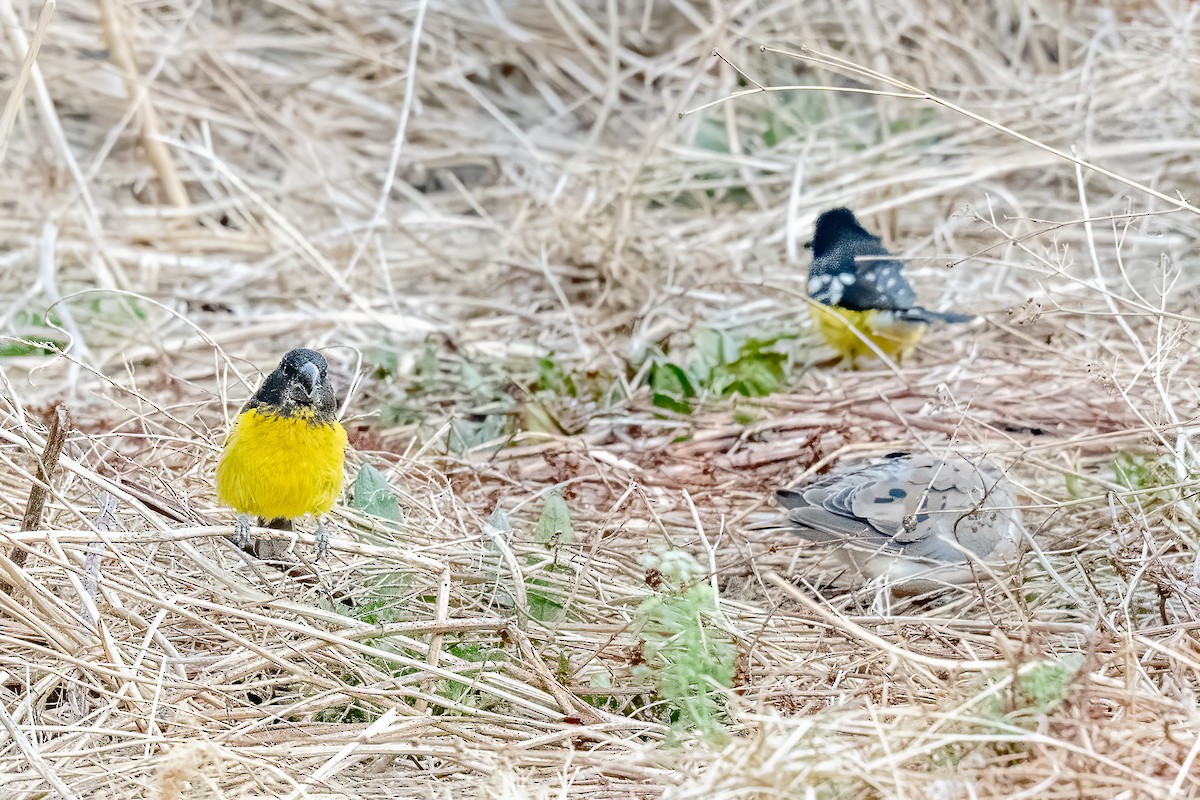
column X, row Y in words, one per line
column 193, row 188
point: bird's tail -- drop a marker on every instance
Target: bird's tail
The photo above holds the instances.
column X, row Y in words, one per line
column 924, row 315
column 782, row 523
column 768, row 521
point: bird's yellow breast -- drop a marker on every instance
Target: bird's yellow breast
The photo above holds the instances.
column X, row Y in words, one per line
column 281, row 466
column 838, row 326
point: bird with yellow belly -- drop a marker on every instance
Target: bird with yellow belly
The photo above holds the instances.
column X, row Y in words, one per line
column 285, row 453
column 863, row 303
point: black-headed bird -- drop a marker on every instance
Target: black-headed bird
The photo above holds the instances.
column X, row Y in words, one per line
column 863, row 294
column 285, row 452
column 911, row 523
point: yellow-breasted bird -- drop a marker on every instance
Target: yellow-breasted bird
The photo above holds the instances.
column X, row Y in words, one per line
column 863, row 292
column 284, row 455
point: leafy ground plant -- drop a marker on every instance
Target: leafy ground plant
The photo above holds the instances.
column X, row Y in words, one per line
column 689, row 655
column 720, row 365
column 36, row 336
column 372, row 494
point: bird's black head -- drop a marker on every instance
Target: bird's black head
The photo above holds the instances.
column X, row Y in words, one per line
column 300, row 382
column 832, row 226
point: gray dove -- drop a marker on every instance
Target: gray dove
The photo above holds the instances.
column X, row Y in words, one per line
column 914, row 522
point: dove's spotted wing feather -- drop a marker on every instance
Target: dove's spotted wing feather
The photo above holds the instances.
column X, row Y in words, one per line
column 922, row 509
column 866, row 505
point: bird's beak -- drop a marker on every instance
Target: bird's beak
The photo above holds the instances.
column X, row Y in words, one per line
column 312, row 377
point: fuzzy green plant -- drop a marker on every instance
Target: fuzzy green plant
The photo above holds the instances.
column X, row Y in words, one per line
column 688, row 653
column 37, row 335
column 1147, row 475
column 1049, row 683
column 372, row 494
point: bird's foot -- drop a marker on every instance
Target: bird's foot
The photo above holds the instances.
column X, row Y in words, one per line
column 881, row 605
column 322, row 540
column 241, row 531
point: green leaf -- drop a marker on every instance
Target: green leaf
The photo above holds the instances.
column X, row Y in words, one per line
column 542, row 606
column 473, row 380
column 373, row 495
column 473, row 652
column 711, row 135
column 756, row 376
column 1131, row 471
column 31, row 346
column 689, row 655
column 36, row 335
column 426, row 368
column 1077, row 486
column 466, row 651
column 1049, row 683
column 385, row 360
column 668, row 377
column 536, row 418
column 754, row 345
column 553, row 378
column 115, row 310
column 670, row 403
column 671, row 388
column 713, row 350
column 554, row 526
column 466, row 435
column 499, row 521
column 755, row 370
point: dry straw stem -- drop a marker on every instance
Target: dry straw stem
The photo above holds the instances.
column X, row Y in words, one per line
column 18, row 91
column 151, row 133
column 504, row 182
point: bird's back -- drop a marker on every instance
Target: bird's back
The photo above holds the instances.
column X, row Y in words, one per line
column 857, row 272
column 936, row 516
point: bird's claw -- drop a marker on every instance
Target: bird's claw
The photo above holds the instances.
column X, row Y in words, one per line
column 241, row 531
column 881, row 606
column 321, row 547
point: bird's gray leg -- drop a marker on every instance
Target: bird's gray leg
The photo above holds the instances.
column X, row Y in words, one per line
column 882, row 604
column 322, row 536
column 241, row 531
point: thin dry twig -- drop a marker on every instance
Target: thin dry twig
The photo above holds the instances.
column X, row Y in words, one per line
column 31, row 520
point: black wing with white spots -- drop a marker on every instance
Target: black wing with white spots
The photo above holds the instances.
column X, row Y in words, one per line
column 852, row 269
